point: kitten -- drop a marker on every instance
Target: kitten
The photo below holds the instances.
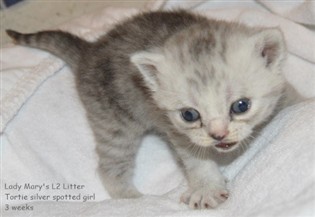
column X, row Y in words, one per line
column 204, row 85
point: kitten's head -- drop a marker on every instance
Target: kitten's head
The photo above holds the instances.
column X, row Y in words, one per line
column 216, row 85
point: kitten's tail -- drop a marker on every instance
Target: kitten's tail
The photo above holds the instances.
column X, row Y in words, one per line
column 62, row 44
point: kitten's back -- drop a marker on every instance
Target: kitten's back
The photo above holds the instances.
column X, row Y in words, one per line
column 140, row 32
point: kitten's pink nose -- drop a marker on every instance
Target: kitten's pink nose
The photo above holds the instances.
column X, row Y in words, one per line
column 218, row 129
column 216, row 137
column 219, row 135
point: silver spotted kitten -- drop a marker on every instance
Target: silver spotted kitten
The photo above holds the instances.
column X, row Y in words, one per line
column 205, row 86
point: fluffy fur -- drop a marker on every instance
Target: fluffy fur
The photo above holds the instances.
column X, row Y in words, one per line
column 138, row 78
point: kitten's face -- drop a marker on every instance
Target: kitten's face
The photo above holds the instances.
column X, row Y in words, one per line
column 217, row 97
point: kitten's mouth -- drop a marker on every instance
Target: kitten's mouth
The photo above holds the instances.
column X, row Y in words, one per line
column 225, row 146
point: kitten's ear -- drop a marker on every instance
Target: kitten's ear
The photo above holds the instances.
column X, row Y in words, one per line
column 148, row 64
column 271, row 46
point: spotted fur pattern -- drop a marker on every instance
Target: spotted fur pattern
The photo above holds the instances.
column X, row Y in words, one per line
column 138, row 77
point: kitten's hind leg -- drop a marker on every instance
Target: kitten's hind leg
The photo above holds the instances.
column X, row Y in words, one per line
column 117, row 152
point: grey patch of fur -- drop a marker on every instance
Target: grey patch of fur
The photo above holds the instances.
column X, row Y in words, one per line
column 137, row 78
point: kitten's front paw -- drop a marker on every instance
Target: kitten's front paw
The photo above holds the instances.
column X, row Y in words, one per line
column 205, row 197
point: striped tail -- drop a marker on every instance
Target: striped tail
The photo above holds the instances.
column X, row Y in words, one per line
column 62, row 44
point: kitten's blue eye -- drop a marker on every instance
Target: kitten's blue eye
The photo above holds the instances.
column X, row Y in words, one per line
column 190, row 114
column 240, row 106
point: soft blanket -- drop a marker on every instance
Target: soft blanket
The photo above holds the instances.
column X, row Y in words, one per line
column 48, row 163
